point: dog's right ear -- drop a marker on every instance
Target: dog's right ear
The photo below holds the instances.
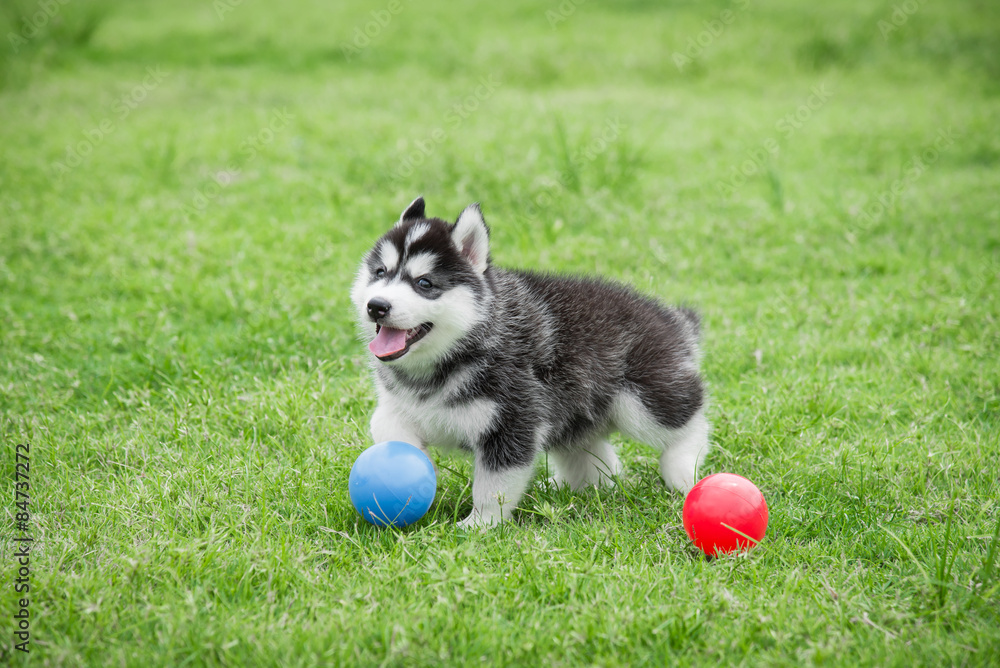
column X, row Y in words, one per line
column 415, row 210
column 472, row 237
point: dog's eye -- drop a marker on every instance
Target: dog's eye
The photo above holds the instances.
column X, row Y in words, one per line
column 380, row 272
column 425, row 283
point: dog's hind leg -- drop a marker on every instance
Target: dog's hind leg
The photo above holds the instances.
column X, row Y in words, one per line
column 592, row 465
column 682, row 448
column 684, row 451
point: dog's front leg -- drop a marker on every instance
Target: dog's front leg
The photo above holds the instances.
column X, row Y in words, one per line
column 503, row 470
column 389, row 424
column 495, row 494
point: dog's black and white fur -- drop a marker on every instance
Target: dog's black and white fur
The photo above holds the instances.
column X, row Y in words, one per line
column 508, row 364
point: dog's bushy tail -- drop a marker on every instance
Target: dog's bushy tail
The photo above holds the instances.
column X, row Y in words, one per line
column 692, row 317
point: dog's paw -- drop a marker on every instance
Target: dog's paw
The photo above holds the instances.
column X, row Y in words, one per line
column 679, row 482
column 602, row 481
column 478, row 522
column 557, row 481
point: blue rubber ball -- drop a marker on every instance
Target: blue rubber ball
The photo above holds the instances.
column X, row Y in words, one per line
column 392, row 484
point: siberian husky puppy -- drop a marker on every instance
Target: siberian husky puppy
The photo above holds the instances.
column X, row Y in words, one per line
column 509, row 364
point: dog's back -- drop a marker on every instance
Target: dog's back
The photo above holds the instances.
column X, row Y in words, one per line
column 574, row 345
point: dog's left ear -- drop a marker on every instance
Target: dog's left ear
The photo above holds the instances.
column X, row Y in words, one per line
column 472, row 238
column 415, row 210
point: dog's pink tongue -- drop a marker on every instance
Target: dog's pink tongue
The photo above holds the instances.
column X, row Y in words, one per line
column 388, row 341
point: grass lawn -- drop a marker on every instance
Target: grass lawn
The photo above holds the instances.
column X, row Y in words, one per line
column 186, row 189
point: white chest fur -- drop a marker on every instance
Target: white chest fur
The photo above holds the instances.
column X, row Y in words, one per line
column 438, row 419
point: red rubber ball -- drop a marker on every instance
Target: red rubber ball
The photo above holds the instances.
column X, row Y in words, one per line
column 721, row 507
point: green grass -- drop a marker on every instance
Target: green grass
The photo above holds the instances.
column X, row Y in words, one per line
column 182, row 357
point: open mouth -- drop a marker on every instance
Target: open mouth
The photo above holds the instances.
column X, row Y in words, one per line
column 391, row 344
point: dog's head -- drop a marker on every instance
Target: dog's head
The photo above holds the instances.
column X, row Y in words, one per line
column 420, row 289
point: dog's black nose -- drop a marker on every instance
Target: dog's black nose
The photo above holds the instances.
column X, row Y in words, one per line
column 378, row 308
